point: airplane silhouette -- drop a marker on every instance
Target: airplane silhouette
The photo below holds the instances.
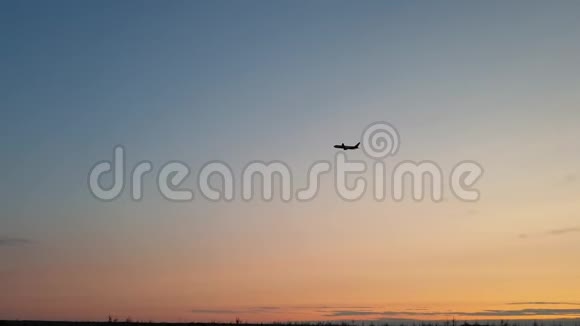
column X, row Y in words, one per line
column 346, row 147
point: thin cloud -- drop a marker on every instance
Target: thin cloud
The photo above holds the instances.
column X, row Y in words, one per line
column 268, row 308
column 252, row 310
column 554, row 232
column 334, row 307
column 347, row 313
column 11, row 242
column 527, row 312
column 324, row 309
column 213, row 311
column 564, row 231
column 483, row 313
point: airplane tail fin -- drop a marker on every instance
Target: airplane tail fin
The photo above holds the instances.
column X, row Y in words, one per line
column 356, row 146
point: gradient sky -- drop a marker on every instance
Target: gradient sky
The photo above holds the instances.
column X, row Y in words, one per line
column 497, row 82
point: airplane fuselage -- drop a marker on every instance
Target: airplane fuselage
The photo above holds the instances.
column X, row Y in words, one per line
column 346, row 147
